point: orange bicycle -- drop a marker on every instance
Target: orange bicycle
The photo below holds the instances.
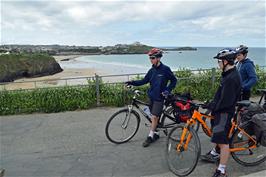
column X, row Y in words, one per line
column 184, row 148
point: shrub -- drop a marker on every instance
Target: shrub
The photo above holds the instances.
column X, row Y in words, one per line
column 47, row 100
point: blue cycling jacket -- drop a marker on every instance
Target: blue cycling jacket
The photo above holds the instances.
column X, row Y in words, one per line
column 158, row 78
column 247, row 72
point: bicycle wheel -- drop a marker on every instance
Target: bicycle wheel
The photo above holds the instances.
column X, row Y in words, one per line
column 170, row 111
column 250, row 156
column 182, row 162
column 122, row 126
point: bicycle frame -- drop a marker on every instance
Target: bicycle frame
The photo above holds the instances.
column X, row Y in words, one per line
column 262, row 95
column 135, row 103
column 197, row 116
column 233, row 128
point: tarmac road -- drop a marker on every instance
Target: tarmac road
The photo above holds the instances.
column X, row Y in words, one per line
column 73, row 144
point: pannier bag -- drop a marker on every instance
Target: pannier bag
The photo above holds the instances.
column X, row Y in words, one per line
column 182, row 107
column 247, row 112
column 259, row 127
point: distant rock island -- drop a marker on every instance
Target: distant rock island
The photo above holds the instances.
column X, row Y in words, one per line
column 135, row 48
column 181, row 49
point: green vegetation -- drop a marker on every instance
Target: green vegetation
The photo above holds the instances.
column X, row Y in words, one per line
column 84, row 97
column 47, row 100
column 13, row 66
column 127, row 49
column 135, row 48
column 139, row 49
column 94, row 50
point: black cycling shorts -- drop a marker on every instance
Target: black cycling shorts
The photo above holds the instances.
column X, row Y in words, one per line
column 221, row 125
column 156, row 108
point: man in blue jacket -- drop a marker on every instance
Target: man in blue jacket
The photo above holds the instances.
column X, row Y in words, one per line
column 247, row 71
column 158, row 77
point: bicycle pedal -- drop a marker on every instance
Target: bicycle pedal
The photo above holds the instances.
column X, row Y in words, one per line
column 165, row 132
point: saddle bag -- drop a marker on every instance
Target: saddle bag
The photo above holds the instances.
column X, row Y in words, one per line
column 247, row 113
column 259, row 127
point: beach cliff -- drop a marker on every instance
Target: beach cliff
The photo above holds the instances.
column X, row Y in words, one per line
column 15, row 66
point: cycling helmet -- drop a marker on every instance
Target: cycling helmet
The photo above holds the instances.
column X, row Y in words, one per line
column 228, row 54
column 155, row 52
column 242, row 49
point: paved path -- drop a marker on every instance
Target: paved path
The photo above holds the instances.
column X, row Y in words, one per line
column 73, row 144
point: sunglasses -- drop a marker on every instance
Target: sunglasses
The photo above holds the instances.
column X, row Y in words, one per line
column 220, row 61
column 152, row 57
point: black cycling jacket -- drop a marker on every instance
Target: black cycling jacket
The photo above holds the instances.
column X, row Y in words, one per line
column 228, row 92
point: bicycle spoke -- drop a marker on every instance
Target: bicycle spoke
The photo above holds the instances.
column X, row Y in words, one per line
column 244, row 149
column 182, row 162
column 122, row 126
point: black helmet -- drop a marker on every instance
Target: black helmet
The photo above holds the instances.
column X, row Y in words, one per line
column 242, row 49
column 228, row 54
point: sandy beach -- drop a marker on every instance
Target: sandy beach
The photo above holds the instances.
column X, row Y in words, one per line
column 67, row 72
column 71, row 75
column 59, row 58
column 58, row 79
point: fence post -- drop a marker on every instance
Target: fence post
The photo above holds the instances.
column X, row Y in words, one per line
column 97, row 89
column 213, row 76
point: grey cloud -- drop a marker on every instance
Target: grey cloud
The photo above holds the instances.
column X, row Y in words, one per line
column 184, row 17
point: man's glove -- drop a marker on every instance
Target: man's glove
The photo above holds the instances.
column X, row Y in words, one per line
column 128, row 83
column 210, row 105
column 165, row 93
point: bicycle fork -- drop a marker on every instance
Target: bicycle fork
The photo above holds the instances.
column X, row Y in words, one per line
column 125, row 122
column 185, row 139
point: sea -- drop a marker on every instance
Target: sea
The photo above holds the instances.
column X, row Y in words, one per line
column 202, row 58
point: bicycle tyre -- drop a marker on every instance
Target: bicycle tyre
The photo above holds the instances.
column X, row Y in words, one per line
column 117, row 120
column 250, row 157
column 170, row 111
column 182, row 163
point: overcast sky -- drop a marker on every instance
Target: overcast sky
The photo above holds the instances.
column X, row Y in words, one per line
column 157, row 23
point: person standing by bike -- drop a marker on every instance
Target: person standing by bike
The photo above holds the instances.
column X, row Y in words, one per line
column 247, row 71
column 223, row 108
column 158, row 77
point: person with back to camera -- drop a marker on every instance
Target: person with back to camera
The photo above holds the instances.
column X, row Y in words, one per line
column 222, row 108
column 247, row 71
column 158, row 77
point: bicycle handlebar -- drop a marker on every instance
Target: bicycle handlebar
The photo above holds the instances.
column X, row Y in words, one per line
column 135, row 91
column 170, row 97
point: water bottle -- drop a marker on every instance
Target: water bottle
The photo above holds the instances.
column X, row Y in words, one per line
column 240, row 136
column 146, row 109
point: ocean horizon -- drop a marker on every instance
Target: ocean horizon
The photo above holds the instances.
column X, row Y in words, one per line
column 202, row 58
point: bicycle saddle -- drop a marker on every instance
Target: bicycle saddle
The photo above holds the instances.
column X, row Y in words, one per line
column 245, row 103
column 262, row 90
